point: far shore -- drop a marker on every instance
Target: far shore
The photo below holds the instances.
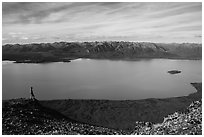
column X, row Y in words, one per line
column 114, row 59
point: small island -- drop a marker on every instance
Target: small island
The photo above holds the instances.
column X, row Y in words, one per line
column 174, row 71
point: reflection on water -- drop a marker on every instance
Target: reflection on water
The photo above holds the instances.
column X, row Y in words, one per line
column 101, row 79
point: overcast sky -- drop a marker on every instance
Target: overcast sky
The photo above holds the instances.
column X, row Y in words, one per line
column 153, row 22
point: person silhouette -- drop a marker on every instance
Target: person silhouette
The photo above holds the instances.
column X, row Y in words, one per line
column 32, row 96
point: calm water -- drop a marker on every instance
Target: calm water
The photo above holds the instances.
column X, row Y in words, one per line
column 101, row 79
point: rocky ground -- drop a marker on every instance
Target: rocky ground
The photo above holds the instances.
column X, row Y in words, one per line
column 24, row 116
column 188, row 122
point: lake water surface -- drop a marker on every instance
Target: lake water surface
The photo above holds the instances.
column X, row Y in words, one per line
column 101, row 79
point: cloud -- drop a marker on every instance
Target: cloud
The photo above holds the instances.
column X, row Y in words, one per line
column 30, row 12
column 24, row 38
column 3, row 39
column 198, row 36
column 105, row 21
column 180, row 10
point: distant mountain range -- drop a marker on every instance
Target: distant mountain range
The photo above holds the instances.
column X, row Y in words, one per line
column 65, row 51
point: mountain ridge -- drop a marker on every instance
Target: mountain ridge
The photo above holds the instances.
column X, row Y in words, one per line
column 66, row 51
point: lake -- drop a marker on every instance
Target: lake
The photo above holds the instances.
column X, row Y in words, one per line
column 101, row 79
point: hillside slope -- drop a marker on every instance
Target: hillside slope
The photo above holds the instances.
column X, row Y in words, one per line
column 25, row 117
column 188, row 122
column 119, row 114
column 28, row 117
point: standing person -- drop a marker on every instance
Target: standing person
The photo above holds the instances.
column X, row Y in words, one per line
column 32, row 96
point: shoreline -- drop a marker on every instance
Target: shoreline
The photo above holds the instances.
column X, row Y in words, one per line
column 119, row 115
column 111, row 59
column 194, row 84
column 122, row 114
